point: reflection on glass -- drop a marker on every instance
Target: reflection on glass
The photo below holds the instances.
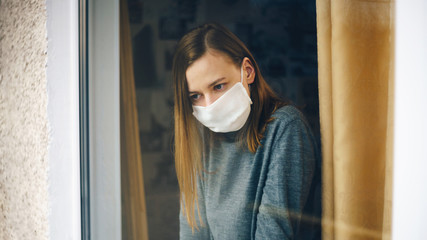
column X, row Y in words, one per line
column 280, row 34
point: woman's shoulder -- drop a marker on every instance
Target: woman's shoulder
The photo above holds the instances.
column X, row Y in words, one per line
column 286, row 115
column 286, row 121
column 289, row 126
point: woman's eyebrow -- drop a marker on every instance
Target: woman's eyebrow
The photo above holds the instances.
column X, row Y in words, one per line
column 216, row 82
column 210, row 84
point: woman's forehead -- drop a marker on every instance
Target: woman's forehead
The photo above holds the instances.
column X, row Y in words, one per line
column 208, row 68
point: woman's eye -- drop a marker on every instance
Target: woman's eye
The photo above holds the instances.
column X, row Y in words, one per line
column 194, row 97
column 219, row 86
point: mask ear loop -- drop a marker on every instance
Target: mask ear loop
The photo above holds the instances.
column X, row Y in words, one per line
column 241, row 74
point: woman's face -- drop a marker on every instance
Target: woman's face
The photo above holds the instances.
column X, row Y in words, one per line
column 210, row 76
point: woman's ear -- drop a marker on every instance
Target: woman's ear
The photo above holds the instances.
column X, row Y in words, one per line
column 248, row 70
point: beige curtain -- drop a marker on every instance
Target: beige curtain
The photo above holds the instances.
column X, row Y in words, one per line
column 355, row 50
column 134, row 219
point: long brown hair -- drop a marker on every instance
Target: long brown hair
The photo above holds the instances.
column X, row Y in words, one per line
column 187, row 136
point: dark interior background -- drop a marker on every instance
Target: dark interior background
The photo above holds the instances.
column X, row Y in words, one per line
column 281, row 34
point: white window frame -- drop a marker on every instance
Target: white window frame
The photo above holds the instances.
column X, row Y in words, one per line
column 63, row 115
column 104, row 119
column 65, row 150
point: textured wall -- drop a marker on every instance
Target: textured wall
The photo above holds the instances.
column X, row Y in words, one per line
column 23, row 120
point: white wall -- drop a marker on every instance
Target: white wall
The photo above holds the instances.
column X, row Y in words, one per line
column 410, row 145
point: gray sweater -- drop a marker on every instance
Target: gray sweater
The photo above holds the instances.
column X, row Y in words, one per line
column 272, row 194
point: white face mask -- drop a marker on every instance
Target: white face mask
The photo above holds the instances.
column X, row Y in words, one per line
column 229, row 112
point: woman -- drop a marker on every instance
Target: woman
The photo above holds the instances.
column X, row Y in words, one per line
column 245, row 160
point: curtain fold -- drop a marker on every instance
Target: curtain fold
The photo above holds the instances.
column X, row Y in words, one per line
column 134, row 219
column 355, row 57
